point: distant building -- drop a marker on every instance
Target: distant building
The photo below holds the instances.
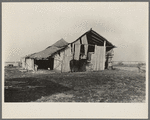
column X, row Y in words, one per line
column 12, row 64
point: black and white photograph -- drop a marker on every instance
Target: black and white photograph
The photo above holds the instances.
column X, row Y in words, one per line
column 84, row 53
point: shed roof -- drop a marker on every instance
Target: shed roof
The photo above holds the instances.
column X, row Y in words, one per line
column 44, row 54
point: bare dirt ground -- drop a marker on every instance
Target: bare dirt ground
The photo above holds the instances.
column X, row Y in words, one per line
column 119, row 86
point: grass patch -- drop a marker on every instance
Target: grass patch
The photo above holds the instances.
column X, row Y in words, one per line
column 102, row 86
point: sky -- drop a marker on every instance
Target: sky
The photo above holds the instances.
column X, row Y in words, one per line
column 31, row 27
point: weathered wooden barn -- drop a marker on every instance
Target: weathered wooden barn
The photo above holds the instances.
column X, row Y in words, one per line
column 90, row 52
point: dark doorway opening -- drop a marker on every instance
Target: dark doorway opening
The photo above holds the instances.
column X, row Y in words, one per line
column 51, row 63
column 45, row 64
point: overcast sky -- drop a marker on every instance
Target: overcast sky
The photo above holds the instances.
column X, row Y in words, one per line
column 31, row 27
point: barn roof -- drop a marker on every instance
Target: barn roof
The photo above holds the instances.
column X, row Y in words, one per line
column 44, row 54
column 60, row 43
column 96, row 39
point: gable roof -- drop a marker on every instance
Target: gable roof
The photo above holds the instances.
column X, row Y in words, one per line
column 94, row 38
column 49, row 50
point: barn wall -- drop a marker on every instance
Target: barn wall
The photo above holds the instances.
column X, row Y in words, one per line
column 85, row 43
column 77, row 50
column 92, row 58
column 29, row 64
column 67, row 58
column 80, row 47
column 58, row 59
column 98, row 58
column 91, row 61
column 62, row 60
column 109, row 56
column 23, row 62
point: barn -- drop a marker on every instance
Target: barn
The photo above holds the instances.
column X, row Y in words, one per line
column 90, row 52
column 42, row 59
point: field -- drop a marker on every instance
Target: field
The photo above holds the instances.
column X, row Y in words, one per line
column 121, row 85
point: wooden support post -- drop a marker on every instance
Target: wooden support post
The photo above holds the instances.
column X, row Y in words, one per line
column 104, row 55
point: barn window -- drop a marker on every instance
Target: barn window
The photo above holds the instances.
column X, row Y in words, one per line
column 91, row 48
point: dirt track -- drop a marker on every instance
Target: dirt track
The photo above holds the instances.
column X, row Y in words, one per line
column 102, row 86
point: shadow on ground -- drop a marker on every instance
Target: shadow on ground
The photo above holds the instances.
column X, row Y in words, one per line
column 30, row 89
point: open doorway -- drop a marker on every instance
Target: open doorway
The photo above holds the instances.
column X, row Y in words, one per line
column 45, row 64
